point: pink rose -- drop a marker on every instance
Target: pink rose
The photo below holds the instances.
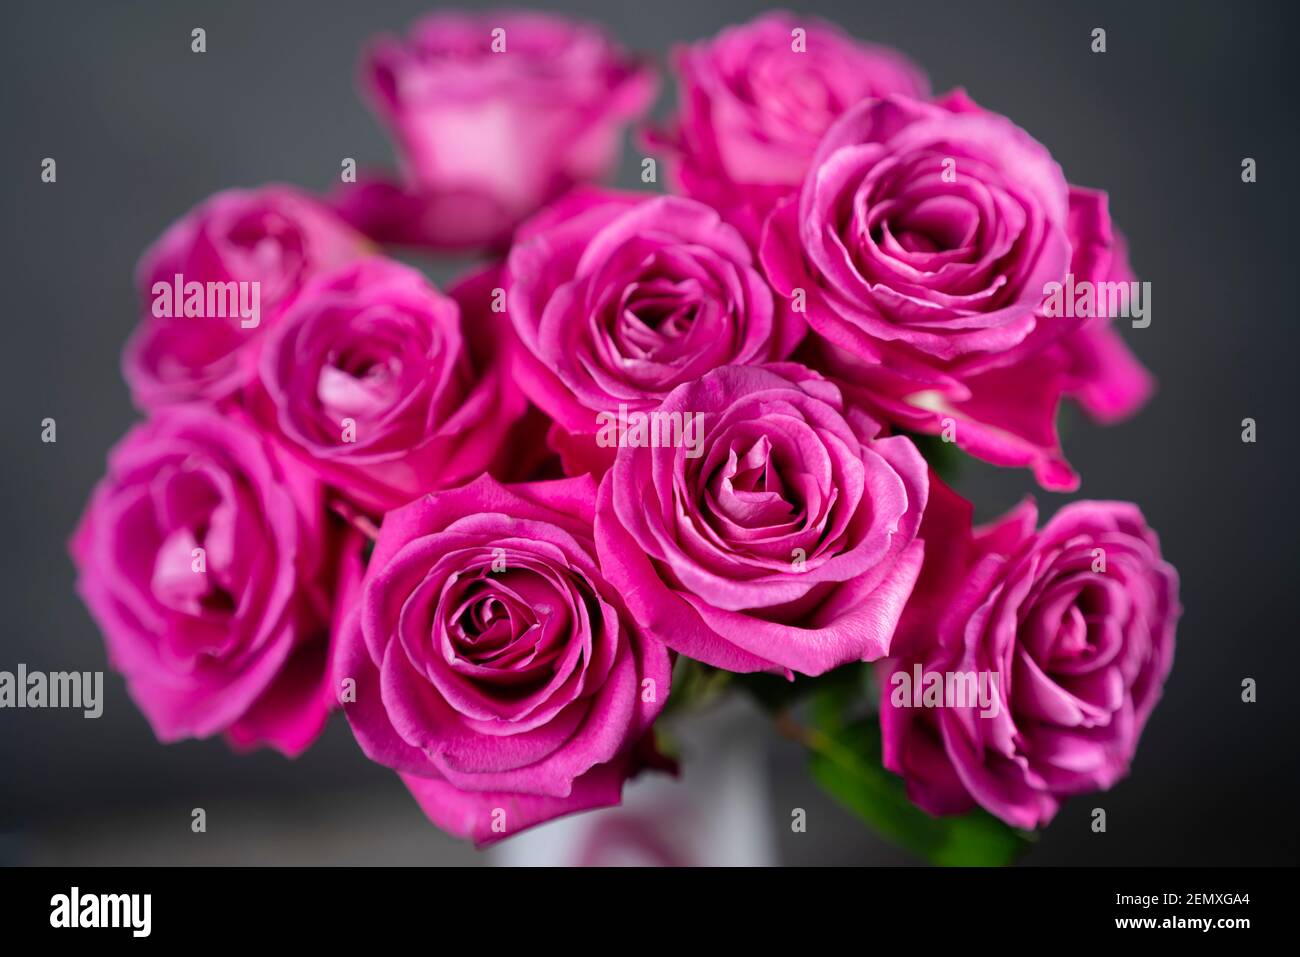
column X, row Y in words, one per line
column 245, row 247
column 494, row 666
column 1072, row 631
column 756, row 99
column 923, row 239
column 385, row 387
column 781, row 534
column 494, row 114
column 618, row 299
column 205, row 558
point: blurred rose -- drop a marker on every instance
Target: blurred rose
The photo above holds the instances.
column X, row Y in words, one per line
column 277, row 237
column 756, row 99
column 206, row 559
column 494, row 115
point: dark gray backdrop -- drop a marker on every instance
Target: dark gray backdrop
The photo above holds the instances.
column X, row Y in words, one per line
column 142, row 129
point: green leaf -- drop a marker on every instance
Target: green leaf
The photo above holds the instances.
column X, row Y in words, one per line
column 842, row 696
column 846, row 762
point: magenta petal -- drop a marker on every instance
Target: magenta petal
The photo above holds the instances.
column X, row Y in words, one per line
column 486, row 817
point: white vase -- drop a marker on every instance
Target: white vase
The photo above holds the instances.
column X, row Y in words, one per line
column 715, row 812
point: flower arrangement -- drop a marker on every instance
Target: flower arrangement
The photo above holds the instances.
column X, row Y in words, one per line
column 654, row 445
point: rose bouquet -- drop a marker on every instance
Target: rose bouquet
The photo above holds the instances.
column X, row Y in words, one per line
column 654, row 446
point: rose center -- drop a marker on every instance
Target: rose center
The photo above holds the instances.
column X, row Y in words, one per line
column 359, row 385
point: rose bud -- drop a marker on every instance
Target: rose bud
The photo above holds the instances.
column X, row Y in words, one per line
column 494, row 115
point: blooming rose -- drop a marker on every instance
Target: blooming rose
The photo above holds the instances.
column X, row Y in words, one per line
column 494, row 115
column 1074, row 626
column 756, row 99
column 385, row 387
column 784, row 536
column 618, row 299
column 277, row 237
column 923, row 239
column 494, row 666
column 204, row 555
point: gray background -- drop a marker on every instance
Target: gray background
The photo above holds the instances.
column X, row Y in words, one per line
column 142, row 129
